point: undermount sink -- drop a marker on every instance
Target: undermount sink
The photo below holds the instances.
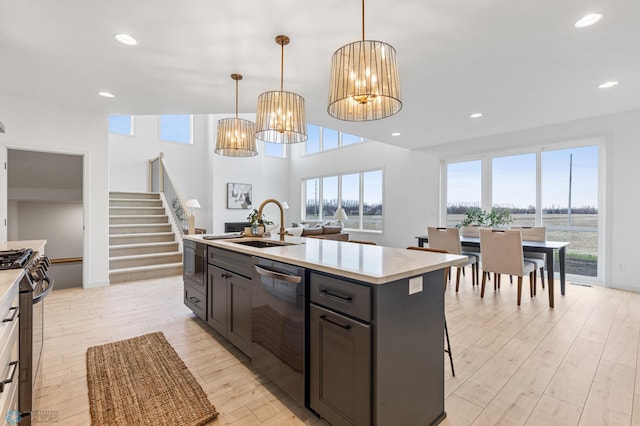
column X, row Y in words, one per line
column 263, row 243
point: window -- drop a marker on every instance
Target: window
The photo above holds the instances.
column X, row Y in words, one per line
column 372, row 201
column 348, row 139
column 570, row 204
column 313, row 140
column 359, row 194
column 464, row 187
column 555, row 188
column 312, row 205
column 350, row 200
column 274, row 150
column 176, row 128
column 329, row 139
column 324, row 139
column 121, row 124
column 514, row 187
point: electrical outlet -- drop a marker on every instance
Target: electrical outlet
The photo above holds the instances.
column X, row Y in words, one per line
column 415, row 285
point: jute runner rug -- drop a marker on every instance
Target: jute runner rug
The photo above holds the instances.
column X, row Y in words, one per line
column 143, row 381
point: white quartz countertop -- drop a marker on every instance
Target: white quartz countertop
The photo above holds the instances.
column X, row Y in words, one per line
column 363, row 262
column 35, row 245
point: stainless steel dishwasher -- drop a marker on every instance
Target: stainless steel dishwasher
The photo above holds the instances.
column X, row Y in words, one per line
column 278, row 325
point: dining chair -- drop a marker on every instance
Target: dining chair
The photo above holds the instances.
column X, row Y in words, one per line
column 446, row 330
column 534, row 233
column 448, row 239
column 501, row 253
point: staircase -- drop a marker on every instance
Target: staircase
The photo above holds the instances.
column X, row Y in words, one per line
column 141, row 242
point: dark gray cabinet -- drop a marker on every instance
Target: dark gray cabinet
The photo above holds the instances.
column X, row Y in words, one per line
column 376, row 351
column 340, row 370
column 195, row 277
column 229, row 297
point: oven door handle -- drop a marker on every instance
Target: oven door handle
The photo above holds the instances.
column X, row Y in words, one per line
column 278, row 275
column 46, row 291
column 10, row 379
column 15, row 313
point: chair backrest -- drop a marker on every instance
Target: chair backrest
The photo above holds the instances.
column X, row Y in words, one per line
column 445, row 239
column 532, row 233
column 501, row 251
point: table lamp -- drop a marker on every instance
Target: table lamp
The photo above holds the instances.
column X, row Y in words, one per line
column 340, row 215
column 191, row 220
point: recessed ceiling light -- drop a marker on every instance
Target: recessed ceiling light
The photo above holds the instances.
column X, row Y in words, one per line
column 608, row 84
column 588, row 20
column 476, row 115
column 395, row 134
column 126, row 39
column 106, row 94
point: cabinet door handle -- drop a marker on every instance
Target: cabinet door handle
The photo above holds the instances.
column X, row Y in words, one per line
column 194, row 299
column 15, row 313
column 324, row 317
column 10, row 379
column 225, row 275
column 328, row 293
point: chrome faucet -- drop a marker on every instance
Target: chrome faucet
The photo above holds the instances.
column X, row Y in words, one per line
column 282, row 232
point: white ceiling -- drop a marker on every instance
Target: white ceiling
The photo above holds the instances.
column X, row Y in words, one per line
column 521, row 63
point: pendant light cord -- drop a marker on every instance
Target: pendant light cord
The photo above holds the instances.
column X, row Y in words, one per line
column 236, row 99
column 282, row 68
column 362, row 20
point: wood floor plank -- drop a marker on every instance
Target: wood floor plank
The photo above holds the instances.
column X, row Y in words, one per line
column 552, row 411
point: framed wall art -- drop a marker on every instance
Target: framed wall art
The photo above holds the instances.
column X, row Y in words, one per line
column 239, row 195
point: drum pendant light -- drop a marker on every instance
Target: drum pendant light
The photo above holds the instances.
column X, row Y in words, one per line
column 236, row 135
column 364, row 82
column 280, row 117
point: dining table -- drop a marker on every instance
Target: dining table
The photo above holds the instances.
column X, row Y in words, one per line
column 546, row 247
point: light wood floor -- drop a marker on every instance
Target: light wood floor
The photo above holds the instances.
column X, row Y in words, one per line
column 575, row 364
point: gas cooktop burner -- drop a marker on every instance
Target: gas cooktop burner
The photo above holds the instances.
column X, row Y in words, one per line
column 15, row 259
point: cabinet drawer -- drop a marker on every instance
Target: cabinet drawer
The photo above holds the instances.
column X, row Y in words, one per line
column 234, row 262
column 8, row 317
column 196, row 301
column 343, row 296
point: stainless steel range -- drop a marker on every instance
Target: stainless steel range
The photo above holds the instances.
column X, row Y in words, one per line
column 34, row 286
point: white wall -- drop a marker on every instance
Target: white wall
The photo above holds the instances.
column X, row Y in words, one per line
column 410, row 197
column 196, row 170
column 622, row 151
column 54, row 128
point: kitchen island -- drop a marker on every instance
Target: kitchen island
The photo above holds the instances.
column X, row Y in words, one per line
column 370, row 337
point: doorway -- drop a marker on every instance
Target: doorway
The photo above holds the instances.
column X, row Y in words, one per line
column 45, row 201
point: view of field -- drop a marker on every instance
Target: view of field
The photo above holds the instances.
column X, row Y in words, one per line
column 582, row 235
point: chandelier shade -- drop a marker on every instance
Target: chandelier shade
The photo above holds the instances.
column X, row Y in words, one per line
column 236, row 136
column 280, row 117
column 364, row 83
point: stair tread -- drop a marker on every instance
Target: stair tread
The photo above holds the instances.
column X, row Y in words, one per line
column 145, row 256
column 147, row 234
column 136, row 216
column 142, row 245
column 147, row 268
column 137, row 225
